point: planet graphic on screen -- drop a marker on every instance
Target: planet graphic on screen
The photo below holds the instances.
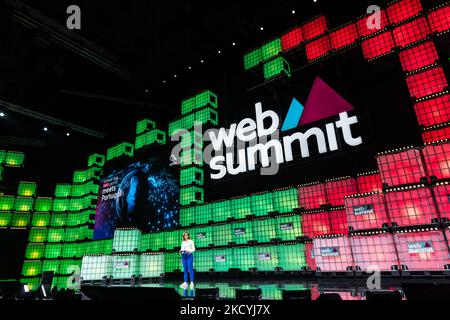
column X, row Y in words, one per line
column 132, row 197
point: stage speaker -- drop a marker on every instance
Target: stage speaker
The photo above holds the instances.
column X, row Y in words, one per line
column 207, row 294
column 130, row 293
column 426, row 291
column 383, row 295
column 255, row 294
column 329, row 297
column 296, row 295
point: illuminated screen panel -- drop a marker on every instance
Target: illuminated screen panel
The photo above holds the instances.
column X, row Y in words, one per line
column 436, row 133
column 378, row 45
column 144, row 195
column 271, row 49
column 433, row 111
column 419, row 56
column 404, row 9
column 437, row 160
column 318, row 48
column 344, row 36
column 292, row 39
column 411, row 32
column 252, row 59
column 427, row 82
column 315, row 28
column 366, row 25
column 439, row 19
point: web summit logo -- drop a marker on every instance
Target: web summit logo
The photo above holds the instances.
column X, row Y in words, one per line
column 239, row 148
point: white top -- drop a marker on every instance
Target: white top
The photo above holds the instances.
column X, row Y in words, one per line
column 188, row 246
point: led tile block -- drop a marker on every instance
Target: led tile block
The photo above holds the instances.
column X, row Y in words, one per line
column 62, row 190
column 192, row 139
column 433, row 111
column 31, row 268
column 81, row 176
column 172, row 262
column 289, row 227
column 189, row 195
column 187, row 105
column 187, row 216
column 374, row 251
column 378, row 45
column 223, row 259
column 52, row 251
column 151, row 265
column 338, row 189
column 264, row 229
column 316, row 224
column 436, row 133
column 32, row 283
column 58, row 219
column 411, row 32
column 262, row 204
column 401, row 167
column 369, row 182
column 145, row 125
column 14, row 159
column 366, row 211
column 43, row 204
column 50, row 266
column 206, row 115
column 125, row 267
column 244, row 258
column 5, row 218
column 71, row 250
column 96, row 267
column 241, row 207
column 27, row 189
column 292, row 39
column 418, row 56
column 315, row 28
column 285, row 200
column 150, row 138
column 203, row 261
column 419, row 251
column 126, row 240
column 441, row 193
column 203, row 213
column 338, row 221
column 411, row 207
column 266, row 258
column 271, row 49
column 55, row 235
column 122, row 149
column 192, row 175
column 96, row 160
column 333, row 254
column 371, row 23
column 222, row 234
column 68, row 266
column 34, row 251
column 223, row 209
column 312, row 196
column 439, row 19
column 202, row 236
column 20, row 220
column 403, row 10
column 437, row 160
column 24, row 204
column 172, row 239
column 318, row 48
column 344, row 36
column 276, row 67
column 252, row 59
column 242, row 232
column 37, row 235
column 291, row 257
column 206, row 99
column 80, row 190
column 190, row 157
column 427, row 82
column 6, row 203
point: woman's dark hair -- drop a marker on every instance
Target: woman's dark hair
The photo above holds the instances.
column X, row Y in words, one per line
column 187, row 234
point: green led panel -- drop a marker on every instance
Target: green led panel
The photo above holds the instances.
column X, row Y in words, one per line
column 262, row 204
column 192, row 139
column 58, row 219
column 187, row 216
column 244, row 258
column 81, row 176
column 276, row 67
column 203, row 261
column 289, row 228
column 175, row 126
column 14, row 159
column 34, row 251
column 60, row 282
column 84, row 233
column 96, row 267
column 151, row 265
column 83, row 189
column 96, row 160
column 20, row 220
column 33, row 283
column 206, row 98
column 271, row 49
column 203, row 213
column 150, row 138
column 172, row 261
column 73, row 219
column 5, row 218
column 27, row 189
column 242, row 232
column 220, row 210
column 266, row 258
column 62, row 190
column 187, row 105
column 125, row 267
column 38, row 235
column 144, row 126
column 50, row 265
column 6, row 203
column 72, row 234
column 67, row 266
column 157, row 241
column 40, row 220
column 189, row 195
column 292, row 257
column 55, row 235
column 98, row 247
column 23, row 204
column 31, row 268
column 191, row 175
column 126, row 240
column 222, row 234
column 202, row 236
column 222, row 259
column 2, row 156
column 61, row 204
column 207, row 115
column 252, row 59
column 53, row 250
column 123, row 149
column 43, row 204
column 87, row 202
column 240, row 207
column 191, row 157
column 264, row 230
column 71, row 250
column 172, row 239
column 285, row 201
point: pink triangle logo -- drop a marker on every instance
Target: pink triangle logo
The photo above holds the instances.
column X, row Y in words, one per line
column 323, row 102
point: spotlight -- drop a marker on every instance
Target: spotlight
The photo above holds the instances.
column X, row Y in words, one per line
column 175, row 76
column 202, row 61
column 262, row 28
column 68, row 134
column 45, row 129
column 234, row 44
column 219, row 52
column 26, row 288
column 2, row 114
column 190, row 68
column 293, row 11
column 164, row 81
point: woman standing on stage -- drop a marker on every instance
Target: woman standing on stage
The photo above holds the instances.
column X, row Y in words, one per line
column 187, row 259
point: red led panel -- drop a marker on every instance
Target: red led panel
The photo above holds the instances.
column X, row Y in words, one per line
column 333, row 254
column 344, row 36
column 316, row 224
column 405, row 167
column 378, row 45
column 442, row 196
column 436, row 135
column 404, row 9
column 439, row 19
column 422, row 251
column 309, row 253
column 437, row 160
column 312, row 196
column 427, row 82
column 433, row 111
column 363, row 28
column 318, row 48
column 411, row 32
column 366, row 212
column 369, row 182
column 411, row 207
column 419, row 56
column 378, row 250
column 339, row 223
column 337, row 190
column 291, row 39
column 314, row 28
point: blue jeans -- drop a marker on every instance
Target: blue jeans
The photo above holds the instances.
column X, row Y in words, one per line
column 188, row 266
